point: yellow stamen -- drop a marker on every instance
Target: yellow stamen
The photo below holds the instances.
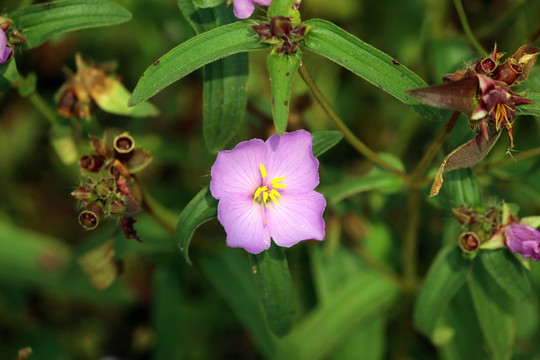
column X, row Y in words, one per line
column 277, row 183
column 263, row 170
column 259, row 190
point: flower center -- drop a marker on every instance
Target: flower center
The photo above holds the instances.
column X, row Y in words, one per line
column 267, row 190
column 501, row 115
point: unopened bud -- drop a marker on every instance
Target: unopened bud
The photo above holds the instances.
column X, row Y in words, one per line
column 469, row 241
column 90, row 163
column 116, row 207
column 17, row 37
column 5, row 23
column 465, row 215
column 89, row 217
column 83, row 193
column 105, row 187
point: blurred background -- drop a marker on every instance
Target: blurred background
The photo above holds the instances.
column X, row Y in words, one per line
column 159, row 307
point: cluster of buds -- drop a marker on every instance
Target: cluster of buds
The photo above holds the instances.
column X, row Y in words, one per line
column 482, row 91
column 283, row 33
column 8, row 38
column 111, row 189
column 497, row 227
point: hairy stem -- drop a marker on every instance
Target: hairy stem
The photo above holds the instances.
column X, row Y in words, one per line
column 340, row 125
column 466, row 27
column 43, row 107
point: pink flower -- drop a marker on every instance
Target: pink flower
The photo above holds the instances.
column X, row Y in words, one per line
column 5, row 50
column 244, row 8
column 523, row 239
column 266, row 190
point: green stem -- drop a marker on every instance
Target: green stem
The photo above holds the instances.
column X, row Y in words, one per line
column 160, row 213
column 503, row 162
column 433, row 149
column 410, row 244
column 466, row 28
column 42, row 106
column 347, row 133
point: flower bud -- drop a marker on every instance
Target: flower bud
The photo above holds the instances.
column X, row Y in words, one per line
column 89, row 217
column 465, row 215
column 90, row 163
column 5, row 23
column 116, row 207
column 83, row 193
column 469, row 241
column 105, row 187
column 17, row 37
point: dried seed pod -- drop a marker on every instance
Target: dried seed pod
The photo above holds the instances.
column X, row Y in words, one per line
column 67, row 102
column 90, row 162
column 89, row 217
column 469, row 241
column 123, row 146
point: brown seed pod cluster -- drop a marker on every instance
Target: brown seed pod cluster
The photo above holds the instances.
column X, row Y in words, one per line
column 111, row 189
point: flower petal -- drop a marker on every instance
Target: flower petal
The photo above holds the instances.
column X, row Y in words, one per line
column 296, row 218
column 244, row 223
column 523, row 239
column 243, row 8
column 291, row 156
column 4, row 49
column 237, row 171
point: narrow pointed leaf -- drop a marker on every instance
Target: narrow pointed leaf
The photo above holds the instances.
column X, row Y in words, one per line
column 445, row 277
column 495, row 312
column 281, row 8
column 465, row 156
column 364, row 60
column 207, row 3
column 193, row 54
column 225, row 80
column 201, row 208
column 281, row 69
column 271, row 273
column 508, row 272
column 325, row 140
column 229, row 272
column 41, row 22
column 457, row 95
column 356, row 303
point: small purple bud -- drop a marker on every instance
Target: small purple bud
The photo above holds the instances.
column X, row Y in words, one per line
column 5, row 50
column 523, row 239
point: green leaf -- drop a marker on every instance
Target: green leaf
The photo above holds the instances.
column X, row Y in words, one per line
column 41, row 22
column 376, row 67
column 230, row 273
column 26, row 85
column 445, row 277
column 225, row 100
column 207, row 3
column 281, row 69
column 357, row 303
column 464, row 334
column 201, row 208
column 61, row 137
column 281, row 8
column 114, row 100
column 494, row 309
column 9, row 71
column 324, row 141
column 193, row 54
column 508, row 272
column 462, row 188
column 532, row 109
column 225, row 80
column 271, row 274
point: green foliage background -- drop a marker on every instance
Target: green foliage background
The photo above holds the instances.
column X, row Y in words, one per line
column 162, row 308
